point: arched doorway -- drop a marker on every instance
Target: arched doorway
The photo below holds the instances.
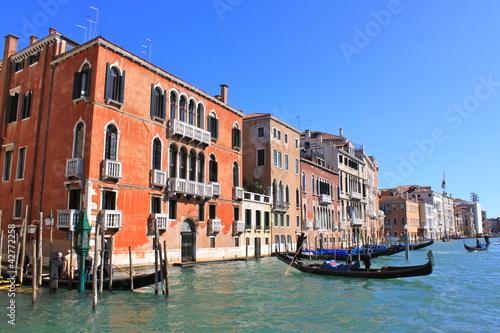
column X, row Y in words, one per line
column 188, row 241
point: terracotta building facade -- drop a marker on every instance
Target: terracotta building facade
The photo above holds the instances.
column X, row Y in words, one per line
column 102, row 130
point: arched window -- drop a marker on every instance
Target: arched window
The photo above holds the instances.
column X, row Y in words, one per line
column 287, row 195
column 312, row 185
column 183, row 163
column 157, row 102
column 304, row 182
column 114, row 83
column 192, row 165
column 212, row 169
column 281, row 193
column 192, row 112
column 199, row 116
column 173, row 105
column 236, row 137
column 275, row 192
column 111, row 143
column 297, row 198
column 236, row 175
column 201, row 168
column 172, row 158
column 81, row 83
column 182, row 109
column 156, row 154
column 78, row 140
column 213, row 125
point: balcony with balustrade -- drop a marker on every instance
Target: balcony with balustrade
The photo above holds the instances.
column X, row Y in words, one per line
column 356, row 222
column 238, row 227
column 192, row 133
column 238, row 193
column 325, row 199
column 354, row 195
column 111, row 170
column 281, row 206
column 111, row 219
column 158, row 178
column 68, row 219
column 74, row 167
column 160, row 219
column 183, row 187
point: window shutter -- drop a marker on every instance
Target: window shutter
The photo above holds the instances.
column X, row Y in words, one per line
column 107, row 90
column 122, row 87
column 152, row 106
column 210, row 124
column 8, row 114
column 216, row 128
column 163, row 106
column 77, row 79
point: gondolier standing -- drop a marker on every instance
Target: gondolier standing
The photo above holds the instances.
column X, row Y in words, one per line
column 300, row 243
column 348, row 259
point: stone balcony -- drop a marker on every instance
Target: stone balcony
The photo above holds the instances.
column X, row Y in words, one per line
column 190, row 132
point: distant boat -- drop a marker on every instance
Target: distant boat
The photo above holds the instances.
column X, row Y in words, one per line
column 336, row 269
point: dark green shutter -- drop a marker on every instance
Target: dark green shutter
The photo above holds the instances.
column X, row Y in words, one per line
column 122, row 88
column 107, row 90
column 77, row 81
column 152, row 106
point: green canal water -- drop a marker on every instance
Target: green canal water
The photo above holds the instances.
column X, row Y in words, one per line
column 461, row 295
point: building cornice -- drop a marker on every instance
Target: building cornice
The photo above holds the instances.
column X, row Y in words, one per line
column 101, row 42
column 273, row 118
column 311, row 163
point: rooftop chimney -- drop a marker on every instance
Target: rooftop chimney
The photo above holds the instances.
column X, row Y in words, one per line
column 341, row 132
column 10, row 46
column 33, row 40
column 223, row 93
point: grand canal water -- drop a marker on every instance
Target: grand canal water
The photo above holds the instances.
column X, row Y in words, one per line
column 461, row 295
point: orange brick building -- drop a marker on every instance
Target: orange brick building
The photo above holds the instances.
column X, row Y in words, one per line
column 95, row 127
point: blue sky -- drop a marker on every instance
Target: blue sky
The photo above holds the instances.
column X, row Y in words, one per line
column 417, row 82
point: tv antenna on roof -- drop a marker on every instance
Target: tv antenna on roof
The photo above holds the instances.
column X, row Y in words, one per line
column 96, row 20
column 149, row 49
column 85, row 35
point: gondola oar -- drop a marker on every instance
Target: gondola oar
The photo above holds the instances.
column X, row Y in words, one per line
column 293, row 260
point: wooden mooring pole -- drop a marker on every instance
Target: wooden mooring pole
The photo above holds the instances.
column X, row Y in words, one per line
column 131, row 269
column 166, row 266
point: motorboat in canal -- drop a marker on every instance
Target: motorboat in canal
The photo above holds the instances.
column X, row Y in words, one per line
column 336, row 269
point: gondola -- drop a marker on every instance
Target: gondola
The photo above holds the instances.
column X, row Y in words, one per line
column 421, row 245
column 475, row 248
column 118, row 283
column 384, row 272
column 342, row 255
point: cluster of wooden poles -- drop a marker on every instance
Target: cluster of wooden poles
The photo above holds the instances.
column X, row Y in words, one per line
column 161, row 275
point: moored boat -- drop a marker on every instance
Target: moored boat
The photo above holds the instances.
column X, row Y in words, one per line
column 384, row 272
column 118, row 283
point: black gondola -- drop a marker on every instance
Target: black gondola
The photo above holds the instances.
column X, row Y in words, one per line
column 421, row 245
column 475, row 248
column 384, row 272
